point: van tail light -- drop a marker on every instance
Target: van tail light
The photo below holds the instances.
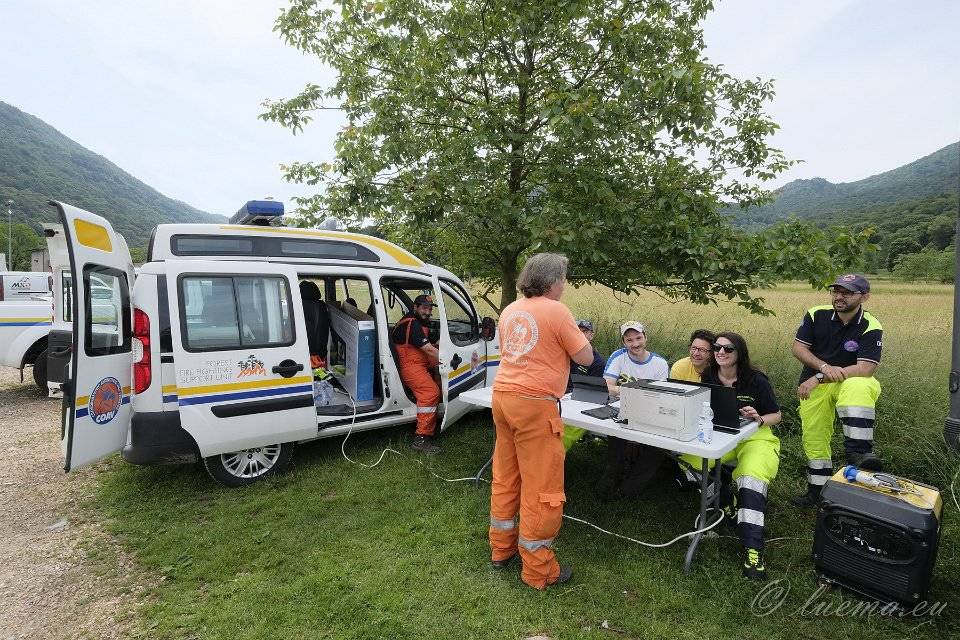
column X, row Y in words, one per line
column 142, row 371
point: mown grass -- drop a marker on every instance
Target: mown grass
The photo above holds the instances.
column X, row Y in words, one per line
column 335, row 550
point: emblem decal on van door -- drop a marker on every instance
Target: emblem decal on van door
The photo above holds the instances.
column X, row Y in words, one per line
column 105, row 401
column 252, row 366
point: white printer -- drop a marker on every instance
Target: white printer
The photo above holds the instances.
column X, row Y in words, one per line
column 669, row 409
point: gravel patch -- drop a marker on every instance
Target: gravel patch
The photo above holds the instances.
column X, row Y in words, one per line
column 61, row 574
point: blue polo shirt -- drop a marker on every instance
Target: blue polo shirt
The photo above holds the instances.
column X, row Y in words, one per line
column 838, row 344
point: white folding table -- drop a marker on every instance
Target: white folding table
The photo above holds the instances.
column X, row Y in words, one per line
column 722, row 443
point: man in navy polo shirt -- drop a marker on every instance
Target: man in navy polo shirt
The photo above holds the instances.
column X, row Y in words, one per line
column 839, row 345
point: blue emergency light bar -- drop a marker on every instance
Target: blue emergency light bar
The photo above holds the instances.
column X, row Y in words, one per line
column 259, row 212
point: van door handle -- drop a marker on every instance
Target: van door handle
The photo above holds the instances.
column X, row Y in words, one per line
column 287, row 368
column 455, row 362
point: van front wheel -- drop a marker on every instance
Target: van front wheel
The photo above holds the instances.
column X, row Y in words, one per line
column 239, row 468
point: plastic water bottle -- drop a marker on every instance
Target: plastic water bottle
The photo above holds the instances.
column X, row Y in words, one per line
column 852, row 474
column 322, row 393
column 705, row 427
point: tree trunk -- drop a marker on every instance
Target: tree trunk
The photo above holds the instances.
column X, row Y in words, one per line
column 508, row 283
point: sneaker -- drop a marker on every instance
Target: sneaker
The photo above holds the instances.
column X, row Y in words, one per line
column 424, row 444
column 806, row 500
column 753, row 567
column 865, row 461
column 503, row 564
column 566, row 573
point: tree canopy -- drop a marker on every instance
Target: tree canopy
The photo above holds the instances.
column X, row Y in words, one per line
column 479, row 132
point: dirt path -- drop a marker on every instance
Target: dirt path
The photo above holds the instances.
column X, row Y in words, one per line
column 49, row 586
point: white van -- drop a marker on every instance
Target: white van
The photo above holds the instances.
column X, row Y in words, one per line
column 208, row 354
column 18, row 286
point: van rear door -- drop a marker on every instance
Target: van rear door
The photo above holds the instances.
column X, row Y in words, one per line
column 240, row 351
column 462, row 353
column 96, row 398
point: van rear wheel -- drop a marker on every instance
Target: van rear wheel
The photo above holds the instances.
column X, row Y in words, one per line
column 40, row 371
column 239, row 468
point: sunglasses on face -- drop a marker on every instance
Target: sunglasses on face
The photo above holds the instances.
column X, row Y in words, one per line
column 726, row 348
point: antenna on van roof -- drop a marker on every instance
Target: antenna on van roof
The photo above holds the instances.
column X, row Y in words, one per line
column 258, row 212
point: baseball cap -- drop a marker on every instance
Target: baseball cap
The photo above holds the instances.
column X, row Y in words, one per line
column 424, row 299
column 632, row 324
column 586, row 325
column 852, row 282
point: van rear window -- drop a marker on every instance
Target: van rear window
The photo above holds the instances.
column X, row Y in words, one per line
column 197, row 245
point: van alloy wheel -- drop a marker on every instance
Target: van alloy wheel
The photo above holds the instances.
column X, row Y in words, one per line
column 251, row 463
column 247, row 466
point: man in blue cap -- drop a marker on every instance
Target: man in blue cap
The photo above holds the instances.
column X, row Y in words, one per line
column 839, row 345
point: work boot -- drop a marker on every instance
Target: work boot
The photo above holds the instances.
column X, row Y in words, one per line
column 499, row 565
column 865, row 461
column 753, row 567
column 566, row 573
column 807, row 500
column 424, row 444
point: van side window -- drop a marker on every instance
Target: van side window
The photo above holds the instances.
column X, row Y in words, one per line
column 107, row 311
column 66, row 287
column 462, row 323
column 229, row 312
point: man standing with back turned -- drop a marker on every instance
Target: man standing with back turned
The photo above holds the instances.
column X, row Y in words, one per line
column 839, row 346
column 538, row 338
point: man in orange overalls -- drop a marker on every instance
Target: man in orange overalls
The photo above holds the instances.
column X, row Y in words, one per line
column 538, row 338
column 418, row 357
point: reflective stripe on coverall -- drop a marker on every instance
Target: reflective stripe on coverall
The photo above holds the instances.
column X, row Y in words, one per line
column 414, row 367
column 855, row 401
column 757, row 461
column 527, row 479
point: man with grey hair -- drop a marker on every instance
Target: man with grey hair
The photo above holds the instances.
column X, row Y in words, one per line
column 538, row 338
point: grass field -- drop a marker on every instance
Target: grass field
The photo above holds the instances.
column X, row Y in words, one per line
column 335, row 550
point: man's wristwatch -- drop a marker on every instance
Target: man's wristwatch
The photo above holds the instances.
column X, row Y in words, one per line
column 819, row 377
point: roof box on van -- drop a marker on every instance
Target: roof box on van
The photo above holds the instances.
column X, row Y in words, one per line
column 258, row 212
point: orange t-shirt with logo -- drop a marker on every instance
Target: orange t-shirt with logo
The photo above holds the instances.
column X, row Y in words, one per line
column 537, row 338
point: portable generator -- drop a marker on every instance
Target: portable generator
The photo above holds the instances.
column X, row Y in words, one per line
column 877, row 534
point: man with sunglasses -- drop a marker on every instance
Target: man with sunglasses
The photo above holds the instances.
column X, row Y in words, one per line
column 839, row 345
column 692, row 367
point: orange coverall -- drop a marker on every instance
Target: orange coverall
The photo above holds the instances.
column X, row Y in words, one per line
column 415, row 368
column 538, row 336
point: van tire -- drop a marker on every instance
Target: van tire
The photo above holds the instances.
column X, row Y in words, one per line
column 40, row 371
column 240, row 468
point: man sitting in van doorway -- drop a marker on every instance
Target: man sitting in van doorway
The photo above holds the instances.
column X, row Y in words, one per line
column 418, row 360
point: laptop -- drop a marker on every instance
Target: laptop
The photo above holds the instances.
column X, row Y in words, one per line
column 592, row 389
column 726, row 409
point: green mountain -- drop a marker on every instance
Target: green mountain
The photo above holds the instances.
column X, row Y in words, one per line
column 933, row 175
column 38, row 164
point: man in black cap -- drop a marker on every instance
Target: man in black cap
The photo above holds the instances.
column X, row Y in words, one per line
column 418, row 359
column 595, row 368
column 839, row 345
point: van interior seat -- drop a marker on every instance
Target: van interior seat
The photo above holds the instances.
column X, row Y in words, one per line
column 316, row 317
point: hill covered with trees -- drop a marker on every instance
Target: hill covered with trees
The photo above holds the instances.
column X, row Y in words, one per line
column 818, row 199
column 38, row 164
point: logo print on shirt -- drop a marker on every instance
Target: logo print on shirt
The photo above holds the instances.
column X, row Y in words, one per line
column 851, row 345
column 521, row 336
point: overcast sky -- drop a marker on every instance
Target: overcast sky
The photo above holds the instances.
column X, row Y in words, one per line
column 170, row 90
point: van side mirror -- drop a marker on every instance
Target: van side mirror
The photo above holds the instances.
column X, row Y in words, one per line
column 488, row 328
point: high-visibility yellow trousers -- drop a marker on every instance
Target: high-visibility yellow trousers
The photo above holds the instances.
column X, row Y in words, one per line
column 756, row 460
column 854, row 400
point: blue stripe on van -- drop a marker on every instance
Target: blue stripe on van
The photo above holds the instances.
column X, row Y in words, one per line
column 242, row 395
column 468, row 374
column 170, row 398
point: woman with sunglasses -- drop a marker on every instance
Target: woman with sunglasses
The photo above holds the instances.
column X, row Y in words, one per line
column 757, row 458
